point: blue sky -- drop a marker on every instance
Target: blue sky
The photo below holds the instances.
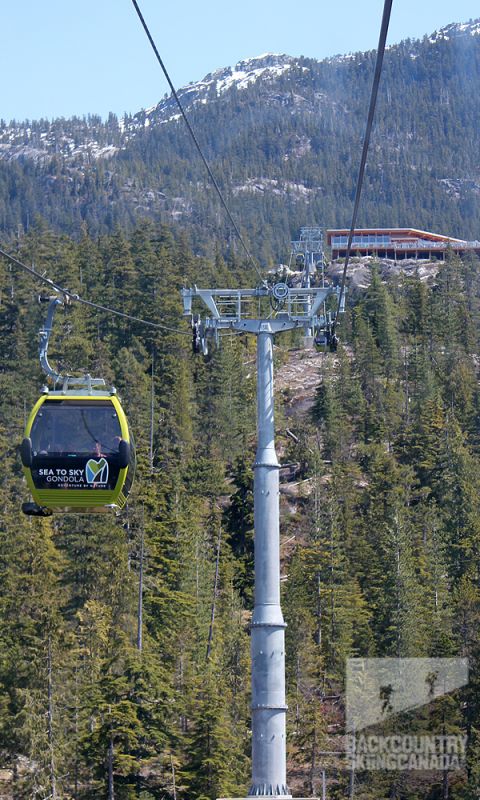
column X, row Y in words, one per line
column 60, row 58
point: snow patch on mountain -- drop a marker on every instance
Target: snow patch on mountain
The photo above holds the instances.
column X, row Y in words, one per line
column 263, row 186
column 247, row 72
column 455, row 30
column 460, row 187
column 266, row 67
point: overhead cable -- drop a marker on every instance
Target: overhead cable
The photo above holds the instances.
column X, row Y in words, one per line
column 366, row 142
column 77, row 299
column 196, row 142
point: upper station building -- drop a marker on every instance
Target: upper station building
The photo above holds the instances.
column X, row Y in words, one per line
column 397, row 243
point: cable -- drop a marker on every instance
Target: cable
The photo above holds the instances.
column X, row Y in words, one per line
column 195, row 140
column 78, row 299
column 366, row 142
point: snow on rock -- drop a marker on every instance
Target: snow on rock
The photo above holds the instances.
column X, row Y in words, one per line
column 247, row 72
column 244, row 74
column 455, row 30
column 459, row 187
column 271, row 186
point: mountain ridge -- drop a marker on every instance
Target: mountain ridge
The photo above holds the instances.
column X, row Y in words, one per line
column 282, row 135
column 241, row 75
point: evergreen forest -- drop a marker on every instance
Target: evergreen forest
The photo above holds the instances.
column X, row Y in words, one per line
column 124, row 639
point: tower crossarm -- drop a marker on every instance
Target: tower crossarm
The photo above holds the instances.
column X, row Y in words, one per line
column 291, row 307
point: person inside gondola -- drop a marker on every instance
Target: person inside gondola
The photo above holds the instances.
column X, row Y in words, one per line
column 196, row 338
column 98, row 450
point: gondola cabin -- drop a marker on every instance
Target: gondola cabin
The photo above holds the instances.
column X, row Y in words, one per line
column 326, row 341
column 78, row 454
column 321, row 341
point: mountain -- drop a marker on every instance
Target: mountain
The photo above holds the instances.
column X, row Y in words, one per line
column 283, row 136
column 86, row 139
column 456, row 30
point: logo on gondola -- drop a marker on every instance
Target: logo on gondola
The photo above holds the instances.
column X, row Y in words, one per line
column 97, row 471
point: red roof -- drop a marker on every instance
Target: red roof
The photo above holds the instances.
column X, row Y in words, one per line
column 396, row 234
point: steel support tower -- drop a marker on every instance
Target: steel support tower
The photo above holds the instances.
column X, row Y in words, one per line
column 307, row 253
column 285, row 309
